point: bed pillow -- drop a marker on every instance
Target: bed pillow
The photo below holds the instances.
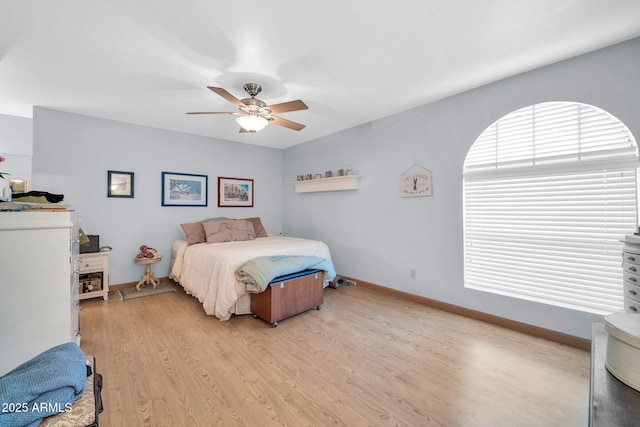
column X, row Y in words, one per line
column 216, row 231
column 227, row 231
column 194, row 232
column 241, row 229
column 257, row 226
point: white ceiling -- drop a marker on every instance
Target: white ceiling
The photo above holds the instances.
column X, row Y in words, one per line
column 149, row 61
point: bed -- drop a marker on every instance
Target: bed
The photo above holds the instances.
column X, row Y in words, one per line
column 206, row 267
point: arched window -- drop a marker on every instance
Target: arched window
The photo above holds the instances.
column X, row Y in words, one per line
column 549, row 191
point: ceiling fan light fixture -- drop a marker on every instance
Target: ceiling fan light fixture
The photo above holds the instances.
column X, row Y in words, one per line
column 254, row 114
column 252, row 123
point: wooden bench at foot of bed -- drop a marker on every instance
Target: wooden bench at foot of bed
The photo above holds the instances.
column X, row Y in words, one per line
column 289, row 295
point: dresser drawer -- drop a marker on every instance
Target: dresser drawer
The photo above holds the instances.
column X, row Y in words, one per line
column 631, row 278
column 632, row 291
column 630, row 257
column 91, row 263
column 630, row 268
column 631, row 306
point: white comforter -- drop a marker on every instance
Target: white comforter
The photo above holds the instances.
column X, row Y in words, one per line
column 207, row 271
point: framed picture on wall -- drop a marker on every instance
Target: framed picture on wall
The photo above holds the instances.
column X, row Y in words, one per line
column 235, row 192
column 119, row 184
column 181, row 189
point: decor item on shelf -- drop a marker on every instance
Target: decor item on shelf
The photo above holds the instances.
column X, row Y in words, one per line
column 19, row 185
column 119, row 184
column 415, row 183
column 6, row 194
column 235, row 192
column 255, row 114
column 181, row 189
column 2, row 174
column 328, row 174
column 300, row 178
column 340, row 172
column 349, row 170
column 308, row 177
column 318, row 176
column 6, row 191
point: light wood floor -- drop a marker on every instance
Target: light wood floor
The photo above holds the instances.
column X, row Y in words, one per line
column 364, row 359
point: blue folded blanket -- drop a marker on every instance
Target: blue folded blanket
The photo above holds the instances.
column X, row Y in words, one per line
column 257, row 273
column 45, row 385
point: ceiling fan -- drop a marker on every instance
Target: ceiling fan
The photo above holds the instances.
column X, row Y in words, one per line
column 254, row 114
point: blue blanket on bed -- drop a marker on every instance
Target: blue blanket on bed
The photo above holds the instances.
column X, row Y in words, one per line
column 45, row 385
column 257, row 273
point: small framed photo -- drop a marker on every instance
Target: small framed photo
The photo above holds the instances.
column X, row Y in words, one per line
column 182, row 189
column 19, row 185
column 120, row 184
column 235, row 192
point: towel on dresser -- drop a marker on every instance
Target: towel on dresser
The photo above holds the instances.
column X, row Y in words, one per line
column 257, row 273
column 45, row 385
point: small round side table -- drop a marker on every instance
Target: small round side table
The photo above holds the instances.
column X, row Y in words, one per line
column 148, row 276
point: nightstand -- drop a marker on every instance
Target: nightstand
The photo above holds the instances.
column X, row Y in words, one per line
column 94, row 275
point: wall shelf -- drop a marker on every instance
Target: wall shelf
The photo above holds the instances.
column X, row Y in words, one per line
column 336, row 183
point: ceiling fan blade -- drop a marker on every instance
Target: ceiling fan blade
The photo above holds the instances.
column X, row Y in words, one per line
column 287, row 106
column 212, row 112
column 286, row 123
column 226, row 95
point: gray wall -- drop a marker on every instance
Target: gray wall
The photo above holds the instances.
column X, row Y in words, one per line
column 376, row 236
column 16, row 146
column 72, row 154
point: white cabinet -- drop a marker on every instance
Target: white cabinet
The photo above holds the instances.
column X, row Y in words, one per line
column 39, row 307
column 631, row 273
column 94, row 275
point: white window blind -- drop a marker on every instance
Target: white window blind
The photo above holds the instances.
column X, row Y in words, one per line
column 549, row 191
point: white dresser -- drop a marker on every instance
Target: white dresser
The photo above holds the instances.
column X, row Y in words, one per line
column 631, row 273
column 39, row 307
